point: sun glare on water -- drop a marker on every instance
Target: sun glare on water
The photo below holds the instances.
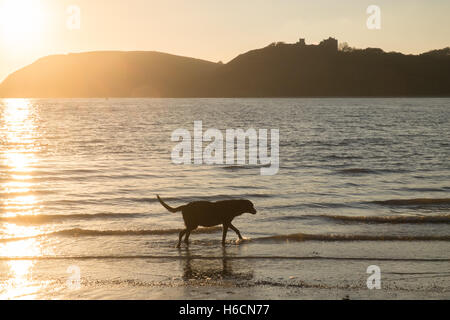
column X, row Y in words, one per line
column 17, row 158
column 21, row 22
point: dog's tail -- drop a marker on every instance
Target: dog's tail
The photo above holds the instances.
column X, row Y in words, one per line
column 165, row 205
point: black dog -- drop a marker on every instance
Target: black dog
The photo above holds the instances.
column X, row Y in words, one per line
column 208, row 214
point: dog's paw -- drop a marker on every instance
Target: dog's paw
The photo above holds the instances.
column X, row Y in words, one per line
column 239, row 241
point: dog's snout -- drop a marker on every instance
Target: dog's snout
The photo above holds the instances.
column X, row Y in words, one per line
column 254, row 211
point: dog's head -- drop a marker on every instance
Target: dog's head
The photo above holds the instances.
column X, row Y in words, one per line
column 248, row 206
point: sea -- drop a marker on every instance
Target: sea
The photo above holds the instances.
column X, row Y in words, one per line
column 359, row 208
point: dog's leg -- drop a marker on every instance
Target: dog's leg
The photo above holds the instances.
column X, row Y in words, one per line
column 186, row 238
column 236, row 230
column 189, row 229
column 224, row 234
column 181, row 237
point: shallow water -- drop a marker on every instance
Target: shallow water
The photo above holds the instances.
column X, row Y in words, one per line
column 361, row 182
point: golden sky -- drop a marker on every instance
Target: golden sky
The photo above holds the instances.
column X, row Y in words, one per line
column 211, row 29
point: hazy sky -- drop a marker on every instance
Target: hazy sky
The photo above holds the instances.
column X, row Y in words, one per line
column 212, row 29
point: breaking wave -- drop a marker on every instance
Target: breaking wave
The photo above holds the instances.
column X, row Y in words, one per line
column 43, row 218
column 391, row 219
column 350, row 237
column 289, row 237
column 414, row 202
column 77, row 232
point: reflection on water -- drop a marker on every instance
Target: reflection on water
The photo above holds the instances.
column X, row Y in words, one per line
column 212, row 269
column 17, row 156
column 19, row 282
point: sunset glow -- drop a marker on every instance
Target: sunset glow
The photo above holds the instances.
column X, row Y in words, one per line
column 221, row 151
column 21, row 22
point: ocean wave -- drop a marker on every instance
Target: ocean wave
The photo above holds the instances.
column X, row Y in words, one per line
column 243, row 167
column 341, row 157
column 151, row 199
column 218, row 197
column 357, row 171
column 333, row 205
column 391, row 219
column 368, row 219
column 362, row 171
column 7, row 195
column 289, row 218
column 424, row 189
column 45, row 176
column 86, row 232
column 414, row 202
column 77, row 232
column 350, row 237
column 44, row 218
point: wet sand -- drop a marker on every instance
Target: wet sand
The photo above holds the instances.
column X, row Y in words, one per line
column 236, row 272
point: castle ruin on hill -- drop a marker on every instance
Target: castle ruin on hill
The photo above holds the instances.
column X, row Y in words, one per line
column 330, row 44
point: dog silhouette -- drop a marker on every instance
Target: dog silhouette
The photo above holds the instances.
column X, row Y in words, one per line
column 209, row 214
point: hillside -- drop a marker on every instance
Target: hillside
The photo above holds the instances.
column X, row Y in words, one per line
column 278, row 70
column 285, row 70
column 108, row 74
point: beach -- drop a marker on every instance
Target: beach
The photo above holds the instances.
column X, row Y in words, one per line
column 361, row 182
column 304, row 271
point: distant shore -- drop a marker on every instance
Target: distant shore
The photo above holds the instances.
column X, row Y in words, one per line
column 278, row 70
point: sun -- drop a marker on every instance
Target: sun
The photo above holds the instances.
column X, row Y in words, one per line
column 21, row 22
